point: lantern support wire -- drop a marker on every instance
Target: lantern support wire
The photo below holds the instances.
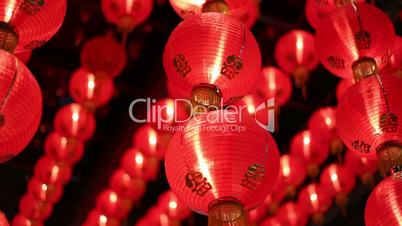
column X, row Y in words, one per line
column 8, row 93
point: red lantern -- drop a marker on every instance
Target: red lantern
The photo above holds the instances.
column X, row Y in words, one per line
column 225, row 168
column 263, row 111
column 103, row 56
column 351, row 32
column 21, row 220
column 96, row 218
column 171, row 205
column 20, row 106
column 43, row 192
column 175, row 91
column 112, row 205
column 156, row 217
column 35, row 209
column 367, row 116
column 127, row 186
column 150, row 142
column 292, row 214
column 89, row 90
column 3, row 220
column 292, row 174
column 127, row 14
column 251, row 14
column 342, row 86
column 138, row 165
column 169, row 112
column 222, row 63
column 64, row 149
column 315, row 201
column 30, row 24
column 308, row 148
column 383, row 207
column 274, row 83
column 396, row 59
column 50, row 171
column 75, row 121
column 24, row 56
column 360, row 166
column 271, row 221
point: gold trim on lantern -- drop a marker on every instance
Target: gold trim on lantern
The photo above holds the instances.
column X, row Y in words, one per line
column 390, row 158
column 364, row 67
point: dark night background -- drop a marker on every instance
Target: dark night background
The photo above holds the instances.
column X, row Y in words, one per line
column 54, row 63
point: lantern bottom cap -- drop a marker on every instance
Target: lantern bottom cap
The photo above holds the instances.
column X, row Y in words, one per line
column 226, row 213
column 205, row 97
column 8, row 37
column 217, row 6
column 364, row 67
column 390, row 157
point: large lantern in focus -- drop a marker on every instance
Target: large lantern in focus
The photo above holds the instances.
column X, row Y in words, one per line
column 103, row 56
column 113, row 205
column 26, row 25
column 127, row 186
column 20, row 106
column 3, row 219
column 342, row 86
column 63, row 149
column 292, row 214
column 274, row 83
column 362, row 167
column 212, row 57
column 384, row 206
column 338, row 181
column 315, row 201
column 292, row 174
column 312, row 151
column 171, row 205
column 221, row 164
column 353, row 32
column 368, row 120
column 139, row 165
column 89, row 90
column 127, row 14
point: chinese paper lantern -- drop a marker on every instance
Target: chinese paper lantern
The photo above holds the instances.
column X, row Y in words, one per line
column 367, row 119
column 139, row 165
column 315, row 201
column 220, row 64
column 24, row 56
column 89, row 90
column 49, row 193
column 362, row 167
column 175, row 91
column 264, row 111
column 383, row 207
column 127, row 186
column 169, row 112
column 309, row 149
column 171, row 205
column 103, row 56
column 74, row 121
column 112, row 205
column 3, row 219
column 156, row 217
column 29, row 24
column 150, row 142
column 50, row 171
column 352, row 32
column 342, row 86
column 20, row 106
column 338, row 181
column 21, row 220
column 63, row 149
column 35, row 209
column 96, row 218
column 292, row 214
column 225, row 168
column 251, row 14
column 271, row 221
column 127, row 14
column 292, row 174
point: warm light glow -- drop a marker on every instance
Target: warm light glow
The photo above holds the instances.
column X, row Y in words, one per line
column 335, row 179
column 55, row 173
column 299, row 48
column 76, row 116
column 172, row 205
column 139, row 159
column 271, row 80
column 306, row 140
column 9, row 10
column 170, row 108
column 248, row 100
column 344, row 29
column 306, row 144
column 91, row 86
column 313, row 197
column 328, row 121
column 44, row 187
column 102, row 219
column 285, row 166
column 152, row 138
column 216, row 68
column 129, row 6
column 113, row 197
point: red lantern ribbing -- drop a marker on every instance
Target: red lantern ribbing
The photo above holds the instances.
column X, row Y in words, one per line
column 342, row 86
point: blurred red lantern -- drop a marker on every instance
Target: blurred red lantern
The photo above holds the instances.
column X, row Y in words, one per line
column 292, row 214
column 274, row 83
column 139, row 165
column 89, row 90
column 96, row 218
column 156, row 217
column 20, row 106
column 383, row 207
column 351, row 32
column 35, row 209
column 312, row 151
column 251, row 14
column 50, row 171
column 223, row 63
column 263, row 111
column 315, row 201
column 169, row 112
column 255, row 215
column 228, row 163
column 64, row 149
column 29, row 24
column 170, row 204
column 75, row 121
column 342, row 86
column 103, row 56
column 271, row 221
column 49, row 193
column 150, row 142
column 362, row 167
column 292, row 174
column 112, row 205
column 24, row 56
column 3, row 219
column 21, row 220
column 127, row 14
column 127, row 186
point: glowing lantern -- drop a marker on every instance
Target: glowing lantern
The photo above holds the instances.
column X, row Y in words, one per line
column 34, row 209
column 127, row 14
column 89, row 90
column 220, row 64
column 74, row 121
column 171, row 205
column 96, row 218
column 150, row 142
column 103, row 56
column 139, row 165
column 362, row 167
column 383, row 207
column 29, row 24
column 127, row 186
column 353, row 32
column 224, row 170
column 274, row 83
column 3, row 220
column 292, row 214
column 169, row 113
column 308, row 148
column 21, row 220
column 263, row 111
column 50, row 171
column 63, row 148
column 43, row 192
column 342, row 86
column 20, row 106
column 315, row 201
column 112, row 205
column 271, row 221
column 155, row 216
column 292, row 174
